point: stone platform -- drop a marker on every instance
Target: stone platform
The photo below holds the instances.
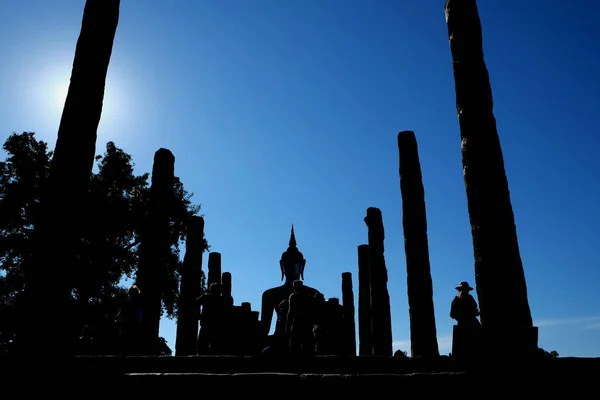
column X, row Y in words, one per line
column 440, row 375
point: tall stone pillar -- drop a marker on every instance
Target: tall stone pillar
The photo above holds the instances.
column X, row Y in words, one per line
column 190, row 290
column 381, row 318
column 155, row 247
column 499, row 275
column 365, row 342
column 348, row 307
column 214, row 268
column 49, row 275
column 423, row 334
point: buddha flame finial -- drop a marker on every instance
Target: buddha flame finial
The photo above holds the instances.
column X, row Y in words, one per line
column 292, row 261
column 292, row 238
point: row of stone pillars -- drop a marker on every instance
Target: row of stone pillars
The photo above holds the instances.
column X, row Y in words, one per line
column 190, row 287
column 499, row 275
column 155, row 250
column 500, row 281
column 190, row 290
column 374, row 315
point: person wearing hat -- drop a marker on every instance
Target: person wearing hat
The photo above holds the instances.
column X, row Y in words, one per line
column 464, row 307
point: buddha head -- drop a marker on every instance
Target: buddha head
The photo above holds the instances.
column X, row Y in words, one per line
column 292, row 261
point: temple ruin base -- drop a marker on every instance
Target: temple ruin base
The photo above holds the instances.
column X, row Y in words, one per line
column 509, row 341
column 441, row 375
column 494, row 342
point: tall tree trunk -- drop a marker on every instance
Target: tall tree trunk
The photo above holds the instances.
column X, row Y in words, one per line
column 499, row 275
column 423, row 334
column 54, row 265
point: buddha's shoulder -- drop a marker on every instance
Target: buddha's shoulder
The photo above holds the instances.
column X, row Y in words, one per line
column 275, row 290
column 311, row 290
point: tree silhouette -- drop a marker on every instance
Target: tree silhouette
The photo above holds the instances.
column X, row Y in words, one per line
column 23, row 175
column 547, row 354
column 401, row 354
column 107, row 249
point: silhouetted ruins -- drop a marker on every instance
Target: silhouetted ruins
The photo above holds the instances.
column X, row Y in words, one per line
column 311, row 332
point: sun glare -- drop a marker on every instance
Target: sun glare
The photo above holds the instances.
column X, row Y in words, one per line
column 49, row 93
column 112, row 105
column 61, row 94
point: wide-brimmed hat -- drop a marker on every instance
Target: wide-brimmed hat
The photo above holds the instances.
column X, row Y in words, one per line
column 464, row 286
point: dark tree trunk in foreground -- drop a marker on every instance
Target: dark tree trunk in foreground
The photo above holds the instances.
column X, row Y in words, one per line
column 54, row 265
column 365, row 342
column 155, row 248
column 381, row 318
column 423, row 334
column 190, row 290
column 499, row 275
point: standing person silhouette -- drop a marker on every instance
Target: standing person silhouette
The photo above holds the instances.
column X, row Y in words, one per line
column 464, row 307
column 130, row 317
column 211, row 307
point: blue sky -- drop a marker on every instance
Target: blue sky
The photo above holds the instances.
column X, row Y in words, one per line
column 287, row 112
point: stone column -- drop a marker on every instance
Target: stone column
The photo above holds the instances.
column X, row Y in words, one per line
column 423, row 334
column 155, row 247
column 365, row 341
column 49, row 275
column 226, row 284
column 499, row 275
column 230, row 318
column 190, row 290
column 214, row 268
column 381, row 319
column 348, row 307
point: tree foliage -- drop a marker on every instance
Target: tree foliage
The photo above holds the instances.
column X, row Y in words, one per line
column 22, row 177
column 547, row 354
column 400, row 353
column 108, row 249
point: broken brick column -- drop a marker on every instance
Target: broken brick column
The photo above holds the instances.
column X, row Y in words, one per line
column 230, row 322
column 214, row 268
column 381, row 318
column 423, row 333
column 348, row 307
column 365, row 343
column 190, row 289
column 226, row 284
column 155, row 248
column 499, row 275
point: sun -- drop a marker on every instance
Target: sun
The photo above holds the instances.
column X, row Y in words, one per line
column 61, row 94
column 60, row 89
column 54, row 82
